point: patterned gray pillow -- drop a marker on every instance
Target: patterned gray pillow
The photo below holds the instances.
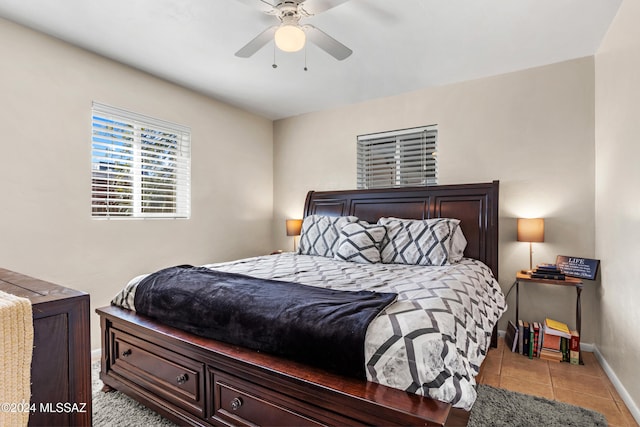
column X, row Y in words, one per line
column 421, row 242
column 320, row 234
column 458, row 244
column 360, row 242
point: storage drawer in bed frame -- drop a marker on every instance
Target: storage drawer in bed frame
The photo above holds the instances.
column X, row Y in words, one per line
column 170, row 376
column 238, row 402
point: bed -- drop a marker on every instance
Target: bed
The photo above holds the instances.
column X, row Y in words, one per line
column 195, row 380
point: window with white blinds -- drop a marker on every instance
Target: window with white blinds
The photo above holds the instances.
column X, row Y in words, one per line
column 140, row 166
column 401, row 158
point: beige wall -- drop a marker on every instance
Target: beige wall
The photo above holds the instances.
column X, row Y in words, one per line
column 533, row 130
column 617, row 94
column 46, row 90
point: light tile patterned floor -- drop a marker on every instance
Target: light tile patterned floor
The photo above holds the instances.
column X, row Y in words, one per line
column 582, row 385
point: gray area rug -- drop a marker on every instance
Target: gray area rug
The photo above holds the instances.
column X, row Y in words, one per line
column 494, row 407
column 498, row 407
column 115, row 409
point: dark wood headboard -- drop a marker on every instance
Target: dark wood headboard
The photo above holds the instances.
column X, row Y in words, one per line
column 475, row 205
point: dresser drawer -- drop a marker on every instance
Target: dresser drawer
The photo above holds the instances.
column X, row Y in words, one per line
column 176, row 378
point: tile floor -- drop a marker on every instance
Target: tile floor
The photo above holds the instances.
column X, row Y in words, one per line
column 582, row 385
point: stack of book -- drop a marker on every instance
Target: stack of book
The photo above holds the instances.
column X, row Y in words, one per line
column 547, row 271
column 549, row 340
column 555, row 345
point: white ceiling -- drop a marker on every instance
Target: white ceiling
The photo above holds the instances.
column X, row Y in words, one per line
column 399, row 45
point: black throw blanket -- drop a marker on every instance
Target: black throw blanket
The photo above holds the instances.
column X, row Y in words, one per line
column 317, row 326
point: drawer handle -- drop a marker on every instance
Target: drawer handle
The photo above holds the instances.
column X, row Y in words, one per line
column 181, row 379
column 236, row 403
column 126, row 353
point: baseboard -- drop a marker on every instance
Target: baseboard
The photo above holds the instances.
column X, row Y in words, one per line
column 631, row 405
column 585, row 346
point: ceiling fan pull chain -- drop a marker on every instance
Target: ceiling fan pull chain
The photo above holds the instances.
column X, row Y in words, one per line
column 274, row 65
column 305, row 58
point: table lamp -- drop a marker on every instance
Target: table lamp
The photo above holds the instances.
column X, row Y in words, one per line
column 530, row 230
column 293, row 229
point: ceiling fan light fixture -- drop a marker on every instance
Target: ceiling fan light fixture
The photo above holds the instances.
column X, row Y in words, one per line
column 290, row 38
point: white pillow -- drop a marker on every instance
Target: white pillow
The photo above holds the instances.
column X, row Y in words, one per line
column 360, row 242
column 320, row 233
column 436, row 241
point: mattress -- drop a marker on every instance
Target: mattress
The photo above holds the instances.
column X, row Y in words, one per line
column 430, row 342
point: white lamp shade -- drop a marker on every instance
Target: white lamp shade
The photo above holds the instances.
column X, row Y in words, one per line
column 290, row 38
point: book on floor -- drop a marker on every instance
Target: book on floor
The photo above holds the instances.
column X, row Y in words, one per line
column 574, row 357
column 551, row 342
column 525, row 339
column 574, row 348
column 511, row 337
column 531, row 342
column 564, row 349
column 540, row 339
column 554, row 356
column 554, row 327
column 536, row 337
column 520, row 334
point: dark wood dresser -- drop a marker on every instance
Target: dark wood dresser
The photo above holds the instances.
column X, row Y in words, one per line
column 61, row 364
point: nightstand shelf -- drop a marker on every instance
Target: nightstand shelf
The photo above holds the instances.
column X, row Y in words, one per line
column 569, row 281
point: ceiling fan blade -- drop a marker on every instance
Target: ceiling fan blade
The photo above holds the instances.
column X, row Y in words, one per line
column 261, row 5
column 327, row 43
column 257, row 43
column 314, row 7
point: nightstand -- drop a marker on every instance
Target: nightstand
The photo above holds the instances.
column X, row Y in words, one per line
column 569, row 281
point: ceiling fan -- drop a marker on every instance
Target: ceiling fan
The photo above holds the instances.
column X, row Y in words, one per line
column 290, row 35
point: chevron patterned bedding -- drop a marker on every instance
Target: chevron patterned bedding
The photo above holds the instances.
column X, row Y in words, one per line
column 430, row 342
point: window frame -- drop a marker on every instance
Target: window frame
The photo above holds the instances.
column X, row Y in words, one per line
column 140, row 166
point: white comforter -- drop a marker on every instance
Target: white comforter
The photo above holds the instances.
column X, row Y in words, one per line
column 431, row 341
